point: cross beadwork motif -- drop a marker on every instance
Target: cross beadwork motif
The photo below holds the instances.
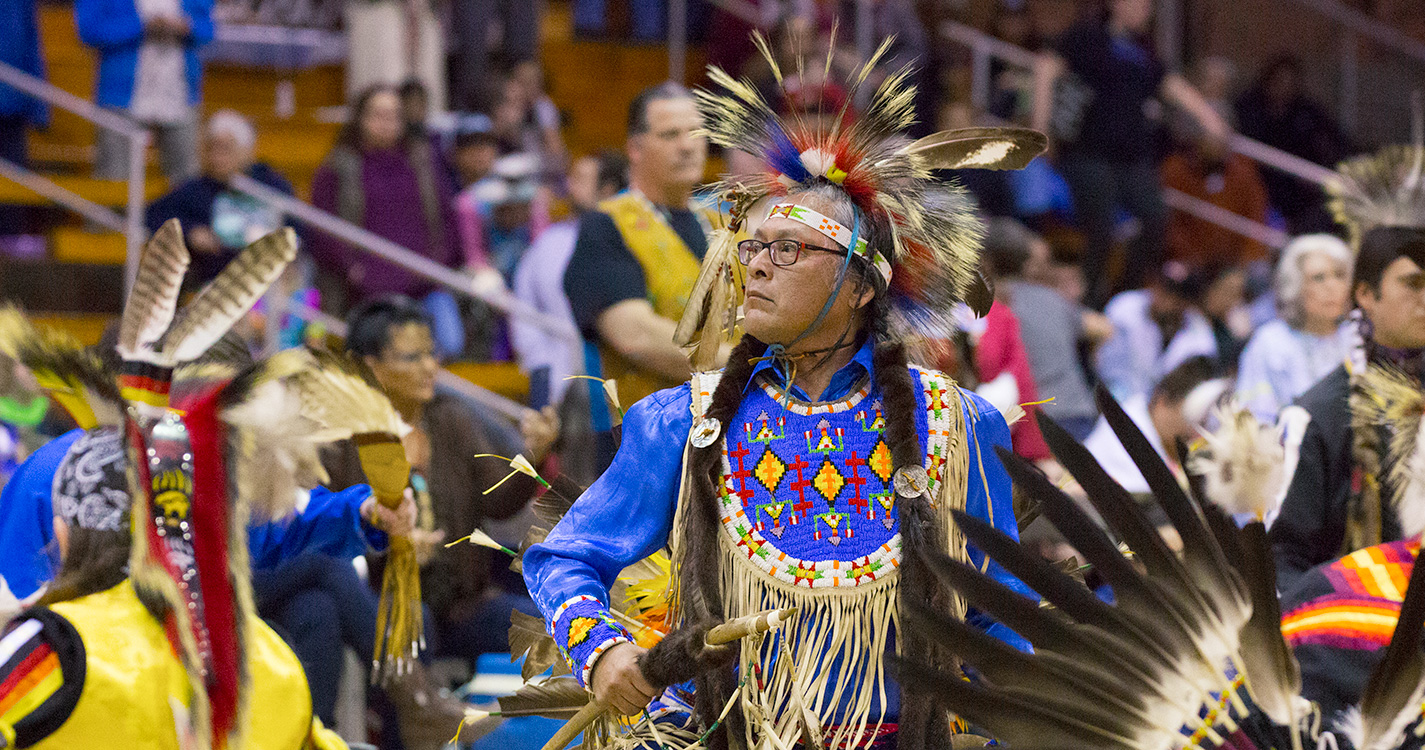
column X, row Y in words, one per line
column 856, row 482
column 799, row 486
column 741, row 475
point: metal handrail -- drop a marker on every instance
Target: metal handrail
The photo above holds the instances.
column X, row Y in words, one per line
column 374, row 244
column 484, row 396
column 131, row 224
column 1374, row 29
column 983, row 47
column 1232, row 222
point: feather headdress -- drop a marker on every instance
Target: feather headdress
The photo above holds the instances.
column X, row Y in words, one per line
column 935, row 235
column 188, row 524
column 1384, row 189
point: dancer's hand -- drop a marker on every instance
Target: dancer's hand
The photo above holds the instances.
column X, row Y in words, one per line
column 618, row 681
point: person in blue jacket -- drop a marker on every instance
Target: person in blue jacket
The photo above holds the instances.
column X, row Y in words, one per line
column 148, row 69
column 19, row 48
column 816, row 471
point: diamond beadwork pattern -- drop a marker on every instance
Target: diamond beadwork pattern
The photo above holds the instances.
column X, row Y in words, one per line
column 828, row 481
column 770, row 470
column 881, row 462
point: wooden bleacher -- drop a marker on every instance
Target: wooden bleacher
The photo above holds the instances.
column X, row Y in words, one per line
column 590, row 81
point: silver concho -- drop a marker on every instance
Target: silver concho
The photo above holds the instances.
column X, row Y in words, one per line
column 911, row 481
column 705, row 432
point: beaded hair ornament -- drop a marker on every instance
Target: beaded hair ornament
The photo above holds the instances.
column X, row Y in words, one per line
column 931, row 261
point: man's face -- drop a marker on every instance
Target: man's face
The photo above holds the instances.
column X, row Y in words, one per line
column 1165, row 306
column 1397, row 310
column 415, row 107
column 224, row 157
column 1171, row 424
column 475, row 160
column 407, row 367
column 584, row 184
column 782, row 301
column 669, row 154
column 1040, row 263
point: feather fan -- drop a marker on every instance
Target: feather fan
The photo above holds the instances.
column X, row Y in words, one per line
column 1135, row 673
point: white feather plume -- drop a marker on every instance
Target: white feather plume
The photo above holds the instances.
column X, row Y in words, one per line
column 1242, row 463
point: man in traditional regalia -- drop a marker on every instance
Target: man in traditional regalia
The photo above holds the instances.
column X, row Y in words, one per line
column 817, row 467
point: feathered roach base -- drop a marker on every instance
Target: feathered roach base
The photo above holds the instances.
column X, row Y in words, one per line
column 1191, row 652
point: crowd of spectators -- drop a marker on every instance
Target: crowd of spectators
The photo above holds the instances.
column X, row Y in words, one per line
column 1097, row 281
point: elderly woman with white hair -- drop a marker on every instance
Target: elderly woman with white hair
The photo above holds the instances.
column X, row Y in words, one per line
column 1311, row 337
column 217, row 220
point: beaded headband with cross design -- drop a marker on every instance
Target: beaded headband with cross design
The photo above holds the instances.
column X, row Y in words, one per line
column 836, row 231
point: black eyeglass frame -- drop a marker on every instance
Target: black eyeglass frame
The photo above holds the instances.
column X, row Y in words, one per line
column 749, row 249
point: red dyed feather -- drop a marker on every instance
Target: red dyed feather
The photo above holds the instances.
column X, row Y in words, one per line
column 210, row 519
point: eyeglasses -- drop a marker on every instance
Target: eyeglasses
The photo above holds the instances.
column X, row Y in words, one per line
column 783, row 252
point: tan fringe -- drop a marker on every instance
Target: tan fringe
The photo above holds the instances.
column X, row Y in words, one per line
column 849, row 625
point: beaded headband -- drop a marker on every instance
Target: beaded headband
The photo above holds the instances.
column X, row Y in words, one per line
column 836, row 231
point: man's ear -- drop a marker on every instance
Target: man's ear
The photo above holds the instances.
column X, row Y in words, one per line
column 1363, row 291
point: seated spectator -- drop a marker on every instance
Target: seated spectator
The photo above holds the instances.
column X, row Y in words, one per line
column 218, row 222
column 501, row 214
column 1312, row 337
column 1053, row 328
column 542, row 117
column 1207, row 169
column 1277, row 111
column 539, row 277
column 474, row 150
column 1154, row 330
column 1223, row 303
column 381, row 179
column 1179, row 406
column 393, row 337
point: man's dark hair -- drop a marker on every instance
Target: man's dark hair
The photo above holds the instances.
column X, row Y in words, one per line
column 413, row 87
column 613, row 169
column 638, row 108
column 1380, row 247
column 369, row 325
column 1007, row 244
column 1177, row 384
column 476, row 138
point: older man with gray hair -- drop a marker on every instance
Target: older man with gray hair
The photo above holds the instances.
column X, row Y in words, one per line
column 217, row 220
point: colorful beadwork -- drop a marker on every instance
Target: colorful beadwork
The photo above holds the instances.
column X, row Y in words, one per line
column 583, row 631
column 807, row 489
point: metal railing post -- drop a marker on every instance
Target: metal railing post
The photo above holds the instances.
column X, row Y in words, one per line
column 134, row 233
column 865, row 43
column 678, row 40
column 1350, row 79
column 980, row 76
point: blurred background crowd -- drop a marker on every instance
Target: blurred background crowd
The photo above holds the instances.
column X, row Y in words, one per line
column 458, row 172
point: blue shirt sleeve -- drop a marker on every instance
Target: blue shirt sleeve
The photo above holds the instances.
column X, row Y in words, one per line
column 27, row 518
column 625, row 516
column 990, row 498
column 331, row 524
